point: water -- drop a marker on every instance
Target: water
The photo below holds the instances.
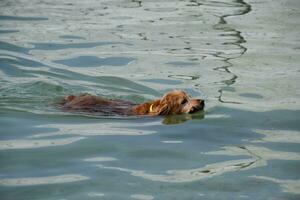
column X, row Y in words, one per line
column 242, row 57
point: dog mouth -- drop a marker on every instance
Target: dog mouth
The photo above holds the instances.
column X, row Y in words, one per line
column 197, row 108
column 193, row 110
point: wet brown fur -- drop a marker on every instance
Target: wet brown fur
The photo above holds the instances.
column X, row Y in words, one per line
column 175, row 102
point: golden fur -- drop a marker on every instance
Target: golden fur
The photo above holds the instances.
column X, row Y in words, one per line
column 175, row 102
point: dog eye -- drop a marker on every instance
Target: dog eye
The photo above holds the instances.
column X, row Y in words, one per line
column 184, row 101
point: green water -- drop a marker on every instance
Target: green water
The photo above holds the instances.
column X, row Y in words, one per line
column 242, row 57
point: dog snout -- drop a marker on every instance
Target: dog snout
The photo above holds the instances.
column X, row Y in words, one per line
column 200, row 104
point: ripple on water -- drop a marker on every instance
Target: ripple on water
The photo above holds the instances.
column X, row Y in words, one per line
column 93, row 61
column 8, row 31
column 16, row 66
column 189, row 175
column 52, row 46
column 72, row 37
column 37, row 89
column 16, row 60
column 100, row 159
column 181, row 63
column 67, row 178
column 289, row 186
column 32, row 143
column 251, row 95
column 163, row 81
column 14, row 48
column 142, row 197
column 95, row 194
column 172, row 141
column 59, row 46
column 184, row 77
column 21, row 18
column 280, row 136
column 108, row 128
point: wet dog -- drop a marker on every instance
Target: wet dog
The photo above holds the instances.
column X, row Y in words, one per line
column 175, row 102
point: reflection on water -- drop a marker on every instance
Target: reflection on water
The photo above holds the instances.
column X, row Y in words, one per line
column 236, row 55
column 177, row 119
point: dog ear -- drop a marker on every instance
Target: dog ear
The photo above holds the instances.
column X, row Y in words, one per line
column 164, row 110
column 164, row 107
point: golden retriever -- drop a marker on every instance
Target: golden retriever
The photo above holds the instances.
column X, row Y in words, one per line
column 174, row 102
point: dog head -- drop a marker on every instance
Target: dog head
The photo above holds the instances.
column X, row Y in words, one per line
column 177, row 102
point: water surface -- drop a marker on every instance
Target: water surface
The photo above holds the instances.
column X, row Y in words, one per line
column 242, row 57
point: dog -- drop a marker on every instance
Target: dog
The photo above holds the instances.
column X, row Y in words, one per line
column 174, row 102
